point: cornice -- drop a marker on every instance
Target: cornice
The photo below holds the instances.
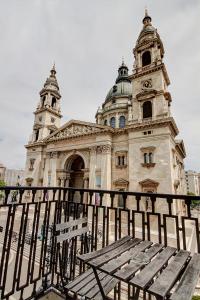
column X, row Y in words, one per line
column 35, row 144
column 154, row 124
column 149, row 70
column 49, row 110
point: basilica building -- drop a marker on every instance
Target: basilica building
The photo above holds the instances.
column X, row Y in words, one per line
column 132, row 146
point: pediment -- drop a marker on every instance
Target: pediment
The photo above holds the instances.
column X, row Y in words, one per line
column 146, row 94
column 76, row 128
column 121, row 181
column 149, row 183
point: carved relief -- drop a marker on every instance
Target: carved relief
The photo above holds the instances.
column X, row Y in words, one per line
column 75, row 130
column 104, row 149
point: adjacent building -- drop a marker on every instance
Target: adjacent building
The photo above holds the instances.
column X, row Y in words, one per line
column 2, row 172
column 132, row 146
column 193, row 182
column 14, row 177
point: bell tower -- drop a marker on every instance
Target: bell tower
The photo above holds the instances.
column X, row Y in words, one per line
column 151, row 99
column 47, row 114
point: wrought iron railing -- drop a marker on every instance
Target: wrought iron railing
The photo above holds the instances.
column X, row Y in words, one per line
column 28, row 258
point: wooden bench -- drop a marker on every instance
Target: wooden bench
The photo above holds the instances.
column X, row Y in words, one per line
column 84, row 285
column 162, row 271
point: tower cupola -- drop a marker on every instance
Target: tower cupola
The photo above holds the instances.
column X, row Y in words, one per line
column 122, row 73
column 147, row 19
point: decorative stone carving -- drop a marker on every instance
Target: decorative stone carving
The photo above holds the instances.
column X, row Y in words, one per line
column 104, row 149
column 75, row 130
column 54, row 154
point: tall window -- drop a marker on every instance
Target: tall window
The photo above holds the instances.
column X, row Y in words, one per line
column 147, row 109
column 146, row 58
column 53, row 102
column 43, row 100
column 37, row 134
column 122, row 122
column 112, row 122
column 148, row 158
column 105, row 122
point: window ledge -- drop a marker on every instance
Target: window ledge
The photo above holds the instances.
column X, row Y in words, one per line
column 121, row 167
column 148, row 165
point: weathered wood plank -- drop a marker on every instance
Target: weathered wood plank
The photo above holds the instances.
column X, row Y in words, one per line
column 147, row 274
column 189, row 280
column 115, row 252
column 86, row 257
column 111, row 283
column 116, row 263
column 140, row 260
column 89, row 286
column 79, row 278
column 168, row 277
column 71, row 223
column 71, row 234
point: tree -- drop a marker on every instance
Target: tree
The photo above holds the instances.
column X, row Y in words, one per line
column 194, row 203
column 2, row 193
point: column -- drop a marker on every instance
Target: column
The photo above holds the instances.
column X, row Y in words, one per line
column 85, row 186
column 53, row 158
column 67, row 180
column 106, row 167
column 46, row 170
column 92, row 167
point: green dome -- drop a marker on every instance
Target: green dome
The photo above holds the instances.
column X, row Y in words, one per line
column 122, row 88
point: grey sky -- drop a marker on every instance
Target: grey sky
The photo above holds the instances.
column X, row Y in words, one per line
column 87, row 39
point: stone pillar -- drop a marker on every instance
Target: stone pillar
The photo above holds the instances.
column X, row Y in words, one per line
column 67, row 180
column 86, row 186
column 46, row 170
column 92, row 167
column 53, row 158
column 106, row 167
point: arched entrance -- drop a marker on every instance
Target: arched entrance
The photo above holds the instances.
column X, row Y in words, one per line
column 76, row 170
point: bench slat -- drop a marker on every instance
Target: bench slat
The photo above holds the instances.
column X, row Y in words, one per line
column 113, row 253
column 147, row 274
column 71, row 223
column 116, row 263
column 86, row 257
column 71, row 234
column 108, row 285
column 189, row 280
column 129, row 270
column 168, row 277
column 89, row 286
column 79, row 278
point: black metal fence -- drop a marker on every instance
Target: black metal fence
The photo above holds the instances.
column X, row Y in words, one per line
column 28, row 258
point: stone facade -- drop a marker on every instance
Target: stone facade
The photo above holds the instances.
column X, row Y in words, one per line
column 132, row 146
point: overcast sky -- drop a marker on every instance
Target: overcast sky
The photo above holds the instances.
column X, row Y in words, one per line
column 87, row 39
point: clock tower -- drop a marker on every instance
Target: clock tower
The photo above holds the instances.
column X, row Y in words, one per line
column 151, row 99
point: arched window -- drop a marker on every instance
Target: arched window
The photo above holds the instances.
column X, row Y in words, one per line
column 53, row 102
column 37, row 134
column 43, row 100
column 147, row 109
column 146, row 58
column 150, row 157
column 112, row 122
column 105, row 122
column 122, row 122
